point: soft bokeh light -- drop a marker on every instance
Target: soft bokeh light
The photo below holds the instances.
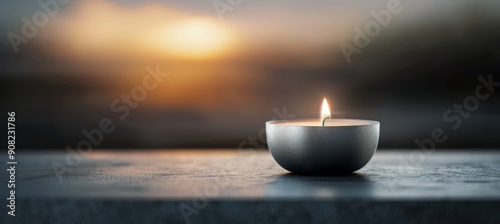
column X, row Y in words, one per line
column 230, row 76
column 106, row 31
column 190, row 38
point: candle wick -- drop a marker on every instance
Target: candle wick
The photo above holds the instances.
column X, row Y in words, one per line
column 325, row 120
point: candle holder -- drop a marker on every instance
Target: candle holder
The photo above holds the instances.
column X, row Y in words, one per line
column 315, row 147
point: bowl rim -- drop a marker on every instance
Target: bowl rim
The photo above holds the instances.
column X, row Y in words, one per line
column 289, row 123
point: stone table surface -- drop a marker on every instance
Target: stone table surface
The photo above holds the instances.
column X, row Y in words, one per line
column 187, row 182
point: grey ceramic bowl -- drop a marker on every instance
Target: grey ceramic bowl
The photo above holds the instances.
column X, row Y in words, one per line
column 316, row 150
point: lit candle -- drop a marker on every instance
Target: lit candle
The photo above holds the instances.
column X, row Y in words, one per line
column 324, row 146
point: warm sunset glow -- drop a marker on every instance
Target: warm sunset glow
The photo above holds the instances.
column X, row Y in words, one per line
column 325, row 110
column 193, row 38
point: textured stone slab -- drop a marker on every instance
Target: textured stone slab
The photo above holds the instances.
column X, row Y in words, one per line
column 223, row 186
column 159, row 174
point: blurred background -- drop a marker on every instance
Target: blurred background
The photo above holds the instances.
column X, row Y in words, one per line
column 230, row 65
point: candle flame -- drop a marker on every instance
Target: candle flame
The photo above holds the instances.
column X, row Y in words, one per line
column 325, row 110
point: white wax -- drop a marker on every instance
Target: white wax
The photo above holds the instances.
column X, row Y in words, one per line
column 328, row 122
